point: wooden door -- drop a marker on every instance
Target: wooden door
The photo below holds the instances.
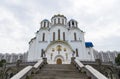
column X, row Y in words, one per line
column 59, row 61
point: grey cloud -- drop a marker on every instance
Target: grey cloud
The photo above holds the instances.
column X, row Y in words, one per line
column 110, row 43
column 29, row 13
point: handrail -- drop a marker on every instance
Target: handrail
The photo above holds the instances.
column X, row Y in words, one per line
column 79, row 63
column 27, row 70
column 94, row 72
column 38, row 64
column 90, row 71
column 20, row 74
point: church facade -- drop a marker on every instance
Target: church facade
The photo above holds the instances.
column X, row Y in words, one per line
column 58, row 40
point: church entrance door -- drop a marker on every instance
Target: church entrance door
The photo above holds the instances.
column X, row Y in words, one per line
column 59, row 61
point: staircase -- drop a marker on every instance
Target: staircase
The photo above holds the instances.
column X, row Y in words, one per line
column 62, row 71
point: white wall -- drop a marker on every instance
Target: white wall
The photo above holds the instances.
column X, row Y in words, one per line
column 37, row 45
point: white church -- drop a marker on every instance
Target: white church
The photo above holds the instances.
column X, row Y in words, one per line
column 58, row 40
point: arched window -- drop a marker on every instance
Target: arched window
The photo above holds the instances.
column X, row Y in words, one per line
column 53, row 36
column 54, row 21
column 42, row 51
column 69, row 24
column 76, row 24
column 62, row 21
column 58, row 34
column 43, row 37
column 77, row 53
column 58, row 20
column 47, row 24
column 72, row 23
column 44, row 24
column 75, row 38
column 64, row 36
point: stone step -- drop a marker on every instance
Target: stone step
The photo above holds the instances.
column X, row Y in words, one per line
column 63, row 71
column 54, row 69
column 59, row 66
column 56, row 77
column 66, row 66
column 59, row 71
column 61, row 75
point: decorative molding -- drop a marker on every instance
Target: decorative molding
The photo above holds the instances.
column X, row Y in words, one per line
column 42, row 41
column 76, row 40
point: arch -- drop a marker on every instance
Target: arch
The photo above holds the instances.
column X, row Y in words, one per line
column 9, row 72
column 59, row 61
column 59, row 41
column 73, row 23
column 59, row 57
column 110, row 69
column 108, row 72
column 59, row 19
column 44, row 24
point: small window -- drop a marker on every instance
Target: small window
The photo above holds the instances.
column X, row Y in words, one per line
column 43, row 37
column 63, row 36
column 54, row 21
column 75, row 38
column 72, row 23
column 42, row 51
column 44, row 24
column 69, row 24
column 53, row 36
column 77, row 53
column 58, row 20
column 58, row 34
column 62, row 21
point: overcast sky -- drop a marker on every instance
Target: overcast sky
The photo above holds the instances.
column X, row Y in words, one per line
column 20, row 19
